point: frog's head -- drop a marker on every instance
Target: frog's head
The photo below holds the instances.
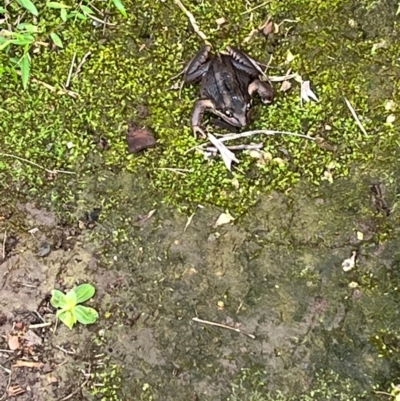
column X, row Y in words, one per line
column 237, row 113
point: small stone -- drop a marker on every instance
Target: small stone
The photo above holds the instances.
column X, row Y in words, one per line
column 44, row 249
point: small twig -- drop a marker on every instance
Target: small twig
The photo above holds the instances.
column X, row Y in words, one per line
column 237, row 147
column 53, row 88
column 5, row 369
column 6, row 350
column 40, row 325
column 36, row 165
column 193, row 22
column 181, row 171
column 255, row 8
column 353, row 112
column 37, row 313
column 4, row 244
column 100, row 20
column 70, row 71
column 83, row 61
column 282, row 77
column 64, row 350
column 224, row 326
column 189, row 220
column 232, row 136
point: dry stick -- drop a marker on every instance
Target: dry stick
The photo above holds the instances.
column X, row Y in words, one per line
column 52, row 88
column 36, row 165
column 237, row 147
column 193, row 22
column 4, row 244
column 181, row 171
column 83, row 61
column 224, row 326
column 230, row 137
column 100, row 20
column 70, row 70
column 353, row 112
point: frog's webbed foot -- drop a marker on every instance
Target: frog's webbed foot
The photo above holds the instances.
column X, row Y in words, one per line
column 244, row 62
column 199, row 132
column 264, row 89
column 198, row 65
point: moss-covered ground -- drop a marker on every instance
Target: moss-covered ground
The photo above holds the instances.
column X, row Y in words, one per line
column 344, row 50
column 280, row 276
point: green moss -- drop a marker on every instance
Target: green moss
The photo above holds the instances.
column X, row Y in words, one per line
column 132, row 67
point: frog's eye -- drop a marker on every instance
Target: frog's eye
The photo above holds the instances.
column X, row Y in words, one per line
column 228, row 113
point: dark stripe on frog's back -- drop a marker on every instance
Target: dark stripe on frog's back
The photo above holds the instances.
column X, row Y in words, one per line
column 222, row 81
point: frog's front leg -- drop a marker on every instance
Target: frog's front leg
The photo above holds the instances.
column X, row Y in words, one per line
column 199, row 108
column 198, row 65
column 264, row 89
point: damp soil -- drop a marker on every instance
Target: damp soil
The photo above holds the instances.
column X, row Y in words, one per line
column 276, row 274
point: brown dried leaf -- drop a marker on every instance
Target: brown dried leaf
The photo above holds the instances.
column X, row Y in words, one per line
column 139, row 138
column 13, row 342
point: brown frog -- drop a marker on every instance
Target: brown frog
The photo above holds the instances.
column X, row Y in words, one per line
column 227, row 85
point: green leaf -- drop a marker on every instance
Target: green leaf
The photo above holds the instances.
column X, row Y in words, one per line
column 86, row 9
column 28, row 5
column 63, row 14
column 23, row 39
column 28, row 27
column 84, row 292
column 55, row 4
column 56, row 39
column 5, row 44
column 67, row 317
column 118, row 4
column 85, row 315
column 25, row 69
column 398, row 10
column 3, row 10
column 58, row 299
column 71, row 299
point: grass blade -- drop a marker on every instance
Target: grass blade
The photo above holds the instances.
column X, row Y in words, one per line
column 56, row 39
column 28, row 5
column 118, row 4
column 25, row 69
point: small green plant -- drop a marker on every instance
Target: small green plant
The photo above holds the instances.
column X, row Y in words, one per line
column 24, row 36
column 70, row 311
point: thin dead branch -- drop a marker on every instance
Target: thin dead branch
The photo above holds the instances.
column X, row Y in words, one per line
column 70, row 70
column 354, row 114
column 192, row 21
column 224, row 326
column 53, row 88
column 35, row 164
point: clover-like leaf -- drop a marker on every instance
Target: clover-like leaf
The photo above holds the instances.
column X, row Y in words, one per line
column 85, row 315
column 84, row 292
column 58, row 299
column 67, row 317
column 70, row 296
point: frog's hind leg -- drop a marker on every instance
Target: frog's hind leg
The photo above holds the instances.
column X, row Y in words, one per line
column 264, row 89
column 198, row 65
column 244, row 62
